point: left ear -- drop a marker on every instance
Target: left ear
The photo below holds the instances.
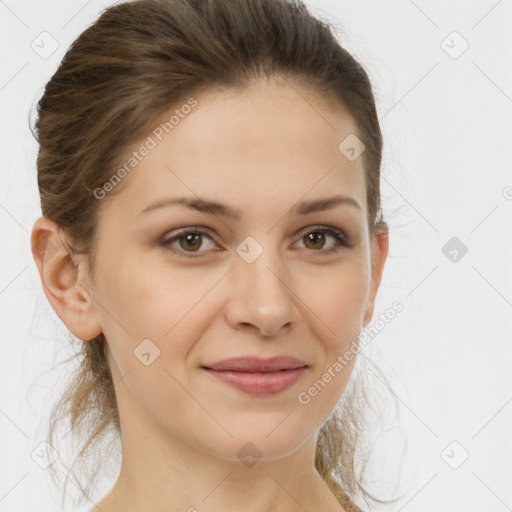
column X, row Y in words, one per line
column 379, row 251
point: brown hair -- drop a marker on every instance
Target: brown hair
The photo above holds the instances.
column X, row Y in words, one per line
column 124, row 72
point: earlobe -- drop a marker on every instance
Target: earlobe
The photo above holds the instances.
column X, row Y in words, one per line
column 63, row 280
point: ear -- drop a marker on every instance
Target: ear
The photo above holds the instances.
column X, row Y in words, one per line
column 64, row 281
column 379, row 251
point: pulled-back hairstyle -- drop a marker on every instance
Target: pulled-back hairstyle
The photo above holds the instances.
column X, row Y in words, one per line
column 123, row 74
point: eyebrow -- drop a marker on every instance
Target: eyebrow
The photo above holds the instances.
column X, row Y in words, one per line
column 223, row 210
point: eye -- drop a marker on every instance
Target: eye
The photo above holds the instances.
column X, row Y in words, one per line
column 190, row 240
column 315, row 239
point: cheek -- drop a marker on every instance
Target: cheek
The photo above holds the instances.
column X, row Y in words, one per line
column 338, row 300
column 149, row 300
column 153, row 314
column 338, row 306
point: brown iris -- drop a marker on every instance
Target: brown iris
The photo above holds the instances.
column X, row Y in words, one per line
column 192, row 241
column 315, row 237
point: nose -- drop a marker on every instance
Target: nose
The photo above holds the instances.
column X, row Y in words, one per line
column 262, row 298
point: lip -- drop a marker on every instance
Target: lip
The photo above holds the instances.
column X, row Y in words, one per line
column 257, row 364
column 257, row 376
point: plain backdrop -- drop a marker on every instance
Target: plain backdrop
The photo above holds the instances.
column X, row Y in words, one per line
column 443, row 83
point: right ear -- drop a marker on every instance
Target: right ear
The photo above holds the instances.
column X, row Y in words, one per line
column 64, row 280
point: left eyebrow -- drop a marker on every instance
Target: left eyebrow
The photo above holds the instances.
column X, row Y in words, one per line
column 216, row 208
column 328, row 203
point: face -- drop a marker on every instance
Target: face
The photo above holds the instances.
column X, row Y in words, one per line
column 179, row 288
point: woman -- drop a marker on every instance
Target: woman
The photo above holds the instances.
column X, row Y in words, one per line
column 209, row 179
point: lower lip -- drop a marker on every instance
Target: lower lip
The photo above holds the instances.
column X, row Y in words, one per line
column 259, row 383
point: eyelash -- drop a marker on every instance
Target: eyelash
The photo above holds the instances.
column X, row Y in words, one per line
column 335, row 233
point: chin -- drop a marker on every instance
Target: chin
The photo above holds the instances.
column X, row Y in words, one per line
column 257, row 445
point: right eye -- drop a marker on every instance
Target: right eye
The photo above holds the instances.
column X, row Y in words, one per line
column 188, row 238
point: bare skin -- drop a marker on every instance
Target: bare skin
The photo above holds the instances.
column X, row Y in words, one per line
column 262, row 150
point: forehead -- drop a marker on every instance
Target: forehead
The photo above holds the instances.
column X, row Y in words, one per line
column 270, row 142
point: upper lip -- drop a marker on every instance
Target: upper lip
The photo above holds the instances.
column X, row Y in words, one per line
column 256, row 364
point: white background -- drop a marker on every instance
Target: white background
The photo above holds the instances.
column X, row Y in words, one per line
column 447, row 125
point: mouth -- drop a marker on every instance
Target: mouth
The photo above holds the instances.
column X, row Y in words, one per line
column 257, row 376
column 257, row 364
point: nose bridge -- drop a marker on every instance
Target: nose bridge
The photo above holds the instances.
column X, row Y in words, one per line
column 263, row 296
column 259, row 264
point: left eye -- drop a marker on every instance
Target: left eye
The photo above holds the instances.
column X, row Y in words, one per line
column 191, row 240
